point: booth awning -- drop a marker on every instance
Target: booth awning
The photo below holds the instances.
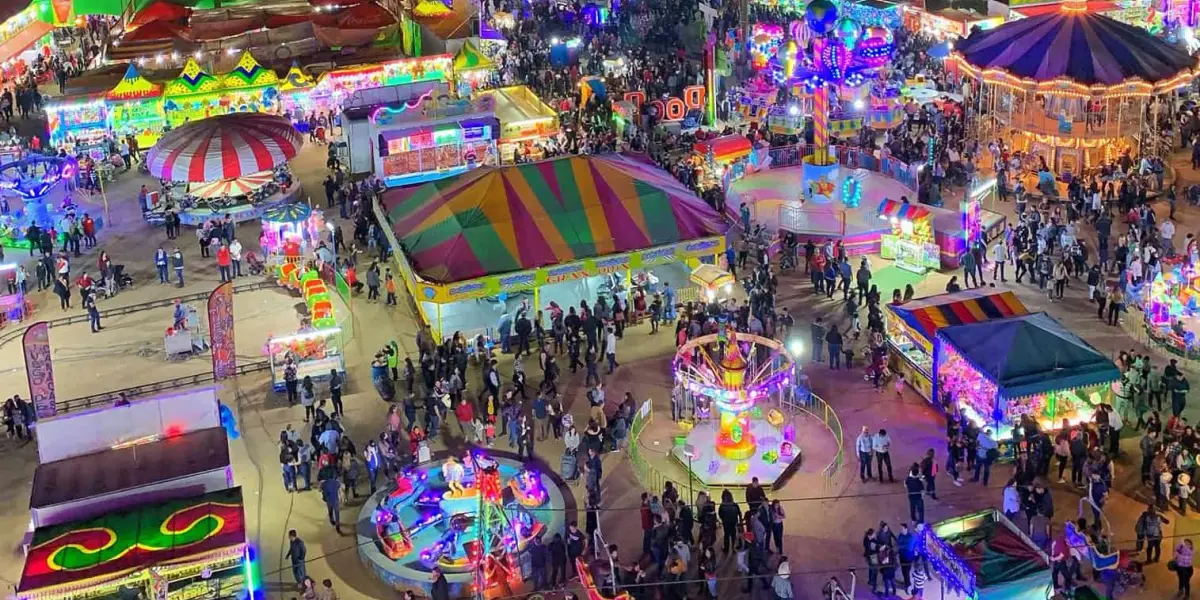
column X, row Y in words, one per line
column 24, row 39
column 900, row 210
column 725, row 148
column 927, row 315
column 1030, row 354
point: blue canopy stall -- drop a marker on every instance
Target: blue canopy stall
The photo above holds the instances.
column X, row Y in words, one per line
column 997, row 371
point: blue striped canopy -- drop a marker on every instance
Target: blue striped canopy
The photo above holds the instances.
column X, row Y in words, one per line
column 1089, row 49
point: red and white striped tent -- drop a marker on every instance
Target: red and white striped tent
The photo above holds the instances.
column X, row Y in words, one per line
column 224, row 147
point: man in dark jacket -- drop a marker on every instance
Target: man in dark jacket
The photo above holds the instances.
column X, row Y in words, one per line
column 330, row 488
column 440, row 588
column 558, row 561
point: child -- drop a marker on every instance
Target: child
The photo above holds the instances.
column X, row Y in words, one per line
column 479, row 429
column 899, row 386
column 848, row 354
column 490, row 430
column 918, row 581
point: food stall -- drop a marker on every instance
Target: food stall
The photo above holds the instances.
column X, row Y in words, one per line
column 315, row 352
column 79, row 124
column 999, row 371
column 135, row 108
column 179, row 549
column 911, row 242
column 444, row 138
column 912, row 328
column 524, row 121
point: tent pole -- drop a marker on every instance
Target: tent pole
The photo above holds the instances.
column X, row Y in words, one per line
column 439, row 322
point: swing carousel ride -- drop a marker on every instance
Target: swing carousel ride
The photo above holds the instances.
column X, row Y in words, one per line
column 470, row 518
column 726, row 377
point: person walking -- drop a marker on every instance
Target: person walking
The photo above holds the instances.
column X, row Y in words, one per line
column 297, row 553
column 1183, row 567
column 987, row 451
column 331, row 490
column 1149, row 530
column 929, row 473
column 610, row 348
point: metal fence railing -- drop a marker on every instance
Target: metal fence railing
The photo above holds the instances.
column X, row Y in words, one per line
column 655, row 480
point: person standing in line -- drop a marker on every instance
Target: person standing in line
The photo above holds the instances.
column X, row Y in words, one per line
column 882, row 446
column 297, row 553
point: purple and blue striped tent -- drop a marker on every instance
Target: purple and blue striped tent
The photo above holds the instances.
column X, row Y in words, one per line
column 1088, row 49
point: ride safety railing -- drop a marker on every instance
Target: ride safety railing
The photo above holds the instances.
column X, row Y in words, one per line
column 654, row 479
column 854, row 158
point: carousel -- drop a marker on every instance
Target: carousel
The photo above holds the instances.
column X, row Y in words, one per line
column 229, row 165
column 1070, row 86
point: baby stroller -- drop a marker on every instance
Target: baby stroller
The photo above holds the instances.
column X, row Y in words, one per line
column 120, row 281
column 254, row 264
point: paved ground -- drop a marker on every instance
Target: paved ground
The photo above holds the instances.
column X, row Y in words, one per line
column 830, row 518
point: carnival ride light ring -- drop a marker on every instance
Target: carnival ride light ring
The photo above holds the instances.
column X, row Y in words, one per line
column 13, row 178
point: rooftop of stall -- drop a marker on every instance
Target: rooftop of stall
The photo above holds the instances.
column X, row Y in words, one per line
column 523, row 116
column 94, row 461
column 182, row 537
column 982, row 555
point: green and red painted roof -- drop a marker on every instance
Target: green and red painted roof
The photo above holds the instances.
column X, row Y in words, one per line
column 128, row 540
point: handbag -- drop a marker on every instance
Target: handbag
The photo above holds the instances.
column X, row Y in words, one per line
column 1172, row 565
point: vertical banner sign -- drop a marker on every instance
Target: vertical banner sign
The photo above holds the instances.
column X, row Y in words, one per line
column 39, row 370
column 220, row 330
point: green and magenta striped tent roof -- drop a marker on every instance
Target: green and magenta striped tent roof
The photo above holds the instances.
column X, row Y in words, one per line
column 501, row 219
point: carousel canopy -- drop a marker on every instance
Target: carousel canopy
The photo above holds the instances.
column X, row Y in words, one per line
column 239, row 186
column 224, row 147
column 1072, row 46
column 498, row 220
column 1030, row 354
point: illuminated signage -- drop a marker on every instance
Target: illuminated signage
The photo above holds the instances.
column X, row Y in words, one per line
column 566, row 273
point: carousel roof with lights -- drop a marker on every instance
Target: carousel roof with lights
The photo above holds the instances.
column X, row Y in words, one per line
column 1073, row 51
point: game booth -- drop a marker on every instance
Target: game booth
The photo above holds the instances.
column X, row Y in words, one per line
column 912, row 328
column 227, row 148
column 471, row 516
column 524, row 120
column 982, row 555
column 135, row 108
column 79, row 124
column 1171, row 304
column 1029, row 365
column 290, row 236
column 431, row 138
column 481, row 245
